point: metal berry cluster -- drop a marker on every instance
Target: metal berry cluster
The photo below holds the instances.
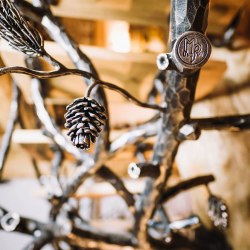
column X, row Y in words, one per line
column 85, row 118
column 218, row 212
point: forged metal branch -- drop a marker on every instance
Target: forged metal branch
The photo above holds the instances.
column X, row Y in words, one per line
column 125, row 93
column 107, row 175
column 48, row 122
column 98, row 235
column 37, row 170
column 90, row 167
column 228, row 35
column 185, row 185
column 44, row 74
column 13, row 118
column 158, row 86
column 39, row 242
column 186, row 15
column 42, row 14
column 54, row 180
column 231, row 123
column 23, row 225
column 136, row 134
column 57, row 161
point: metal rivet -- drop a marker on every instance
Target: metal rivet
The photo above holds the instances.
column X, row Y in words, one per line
column 10, row 221
column 162, row 61
column 134, row 171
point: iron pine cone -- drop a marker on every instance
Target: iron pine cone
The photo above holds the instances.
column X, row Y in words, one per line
column 85, row 118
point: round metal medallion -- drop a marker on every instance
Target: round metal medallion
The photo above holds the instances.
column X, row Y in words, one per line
column 192, row 50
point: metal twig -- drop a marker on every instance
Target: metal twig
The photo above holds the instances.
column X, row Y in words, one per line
column 42, row 14
column 107, row 175
column 232, row 123
column 135, row 135
column 44, row 74
column 17, row 223
column 37, row 170
column 39, row 242
column 125, row 93
column 229, row 32
column 55, row 184
column 13, row 118
column 57, row 161
column 98, row 235
column 158, row 86
column 47, row 121
column 185, row 185
column 183, row 19
column 175, row 111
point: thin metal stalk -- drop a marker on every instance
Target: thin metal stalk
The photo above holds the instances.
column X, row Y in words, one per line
column 231, row 123
column 124, row 93
column 13, row 118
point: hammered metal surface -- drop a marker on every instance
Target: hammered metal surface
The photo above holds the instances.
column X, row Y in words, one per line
column 186, row 15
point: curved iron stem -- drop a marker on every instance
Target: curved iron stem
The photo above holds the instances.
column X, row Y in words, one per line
column 186, row 185
column 107, row 175
column 125, row 93
column 42, row 14
column 231, row 123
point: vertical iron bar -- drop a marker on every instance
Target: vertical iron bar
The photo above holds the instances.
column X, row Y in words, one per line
column 186, row 15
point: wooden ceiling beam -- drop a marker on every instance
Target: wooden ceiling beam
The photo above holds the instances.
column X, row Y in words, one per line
column 137, row 12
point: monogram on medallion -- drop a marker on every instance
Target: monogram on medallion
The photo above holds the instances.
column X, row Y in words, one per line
column 192, row 49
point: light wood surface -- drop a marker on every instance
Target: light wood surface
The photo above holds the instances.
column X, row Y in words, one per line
column 143, row 12
column 138, row 12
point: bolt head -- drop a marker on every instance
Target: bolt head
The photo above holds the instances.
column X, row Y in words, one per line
column 162, row 61
column 134, row 171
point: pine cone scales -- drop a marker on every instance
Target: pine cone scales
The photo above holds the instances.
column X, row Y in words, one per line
column 84, row 119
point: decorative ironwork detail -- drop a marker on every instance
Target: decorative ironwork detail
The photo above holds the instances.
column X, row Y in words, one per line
column 10, row 221
column 218, row 212
column 192, row 50
column 162, row 61
column 84, row 119
column 18, row 32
